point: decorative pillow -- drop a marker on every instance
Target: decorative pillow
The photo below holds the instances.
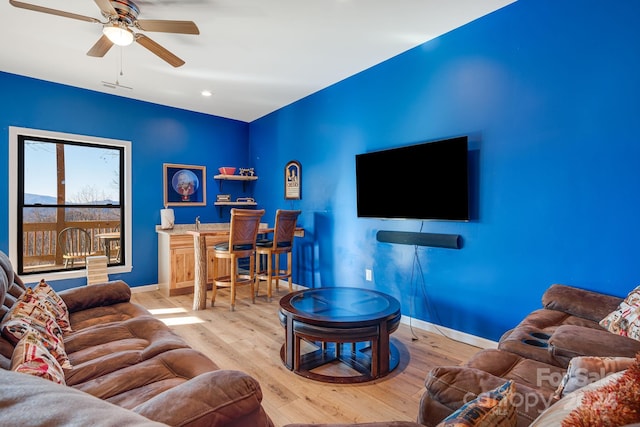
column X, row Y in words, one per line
column 612, row 401
column 625, row 320
column 55, row 304
column 32, row 313
column 585, row 370
column 30, row 356
column 22, row 327
column 490, row 409
column 33, row 316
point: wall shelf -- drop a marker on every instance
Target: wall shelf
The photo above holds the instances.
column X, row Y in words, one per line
column 220, row 205
column 236, row 177
column 242, row 178
column 235, row 204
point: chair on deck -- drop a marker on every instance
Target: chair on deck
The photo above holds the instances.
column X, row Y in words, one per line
column 243, row 232
column 281, row 243
column 76, row 244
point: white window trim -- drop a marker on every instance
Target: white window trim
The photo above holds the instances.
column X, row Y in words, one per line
column 13, row 198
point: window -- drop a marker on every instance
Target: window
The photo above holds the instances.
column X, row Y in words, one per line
column 68, row 183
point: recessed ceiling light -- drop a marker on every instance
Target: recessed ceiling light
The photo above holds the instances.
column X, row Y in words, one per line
column 206, row 93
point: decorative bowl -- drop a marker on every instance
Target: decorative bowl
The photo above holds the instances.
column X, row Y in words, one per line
column 227, row 170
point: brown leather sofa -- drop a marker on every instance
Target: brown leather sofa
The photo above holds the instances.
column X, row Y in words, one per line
column 534, row 355
column 129, row 368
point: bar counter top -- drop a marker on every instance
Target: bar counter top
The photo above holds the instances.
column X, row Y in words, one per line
column 185, row 228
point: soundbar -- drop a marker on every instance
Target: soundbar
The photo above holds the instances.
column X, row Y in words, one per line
column 436, row 240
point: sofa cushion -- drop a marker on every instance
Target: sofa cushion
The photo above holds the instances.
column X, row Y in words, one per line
column 52, row 405
column 544, row 377
column 32, row 357
column 491, row 408
column 625, row 319
column 102, row 349
column 585, row 370
column 136, row 380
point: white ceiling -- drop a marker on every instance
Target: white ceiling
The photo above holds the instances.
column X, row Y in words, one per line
column 255, row 56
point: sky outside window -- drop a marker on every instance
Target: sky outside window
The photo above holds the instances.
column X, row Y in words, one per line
column 90, row 171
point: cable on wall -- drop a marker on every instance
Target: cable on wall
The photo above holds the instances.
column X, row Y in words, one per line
column 433, row 313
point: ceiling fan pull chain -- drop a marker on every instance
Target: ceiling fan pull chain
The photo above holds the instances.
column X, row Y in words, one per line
column 121, row 73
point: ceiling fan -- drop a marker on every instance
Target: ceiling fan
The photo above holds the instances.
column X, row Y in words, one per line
column 121, row 17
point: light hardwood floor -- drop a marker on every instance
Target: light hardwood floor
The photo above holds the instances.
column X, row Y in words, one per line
column 249, row 339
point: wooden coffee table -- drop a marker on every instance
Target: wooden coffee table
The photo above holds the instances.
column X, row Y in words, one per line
column 340, row 325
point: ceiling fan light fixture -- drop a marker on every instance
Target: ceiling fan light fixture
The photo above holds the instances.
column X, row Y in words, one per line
column 119, row 34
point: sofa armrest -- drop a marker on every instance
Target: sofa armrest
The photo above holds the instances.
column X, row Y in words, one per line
column 569, row 341
column 100, row 295
column 579, row 302
column 218, row 398
column 450, row 387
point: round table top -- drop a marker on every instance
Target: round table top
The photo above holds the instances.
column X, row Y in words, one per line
column 340, row 305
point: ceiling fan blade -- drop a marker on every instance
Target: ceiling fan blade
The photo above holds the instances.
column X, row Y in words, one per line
column 158, row 50
column 101, row 47
column 50, row 11
column 106, row 7
column 164, row 26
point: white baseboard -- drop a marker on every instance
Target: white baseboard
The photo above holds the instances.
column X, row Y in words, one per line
column 144, row 288
column 449, row 333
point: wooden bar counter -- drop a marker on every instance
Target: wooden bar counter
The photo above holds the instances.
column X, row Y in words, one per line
column 176, row 256
column 183, row 261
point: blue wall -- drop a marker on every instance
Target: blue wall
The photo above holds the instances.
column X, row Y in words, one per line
column 548, row 93
column 158, row 135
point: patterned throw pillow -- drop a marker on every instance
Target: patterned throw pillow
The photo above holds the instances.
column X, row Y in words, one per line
column 31, row 357
column 24, row 317
column 32, row 313
column 584, row 370
column 625, row 320
column 490, row 409
column 612, row 401
column 613, row 404
column 55, row 304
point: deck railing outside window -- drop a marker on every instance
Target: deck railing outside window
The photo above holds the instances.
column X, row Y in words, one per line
column 40, row 242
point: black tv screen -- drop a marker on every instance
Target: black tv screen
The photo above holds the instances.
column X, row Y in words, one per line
column 422, row 181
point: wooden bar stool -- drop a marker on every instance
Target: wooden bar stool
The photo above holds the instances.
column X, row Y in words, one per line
column 281, row 243
column 243, row 232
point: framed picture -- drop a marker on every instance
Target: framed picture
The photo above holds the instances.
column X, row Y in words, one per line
column 184, row 185
column 292, row 180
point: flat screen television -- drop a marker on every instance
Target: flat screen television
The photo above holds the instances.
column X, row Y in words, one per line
column 421, row 181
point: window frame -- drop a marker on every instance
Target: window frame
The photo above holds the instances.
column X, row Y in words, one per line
column 14, row 188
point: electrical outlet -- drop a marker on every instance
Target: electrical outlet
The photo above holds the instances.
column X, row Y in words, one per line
column 367, row 275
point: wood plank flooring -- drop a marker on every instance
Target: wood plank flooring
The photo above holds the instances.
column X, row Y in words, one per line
column 249, row 339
